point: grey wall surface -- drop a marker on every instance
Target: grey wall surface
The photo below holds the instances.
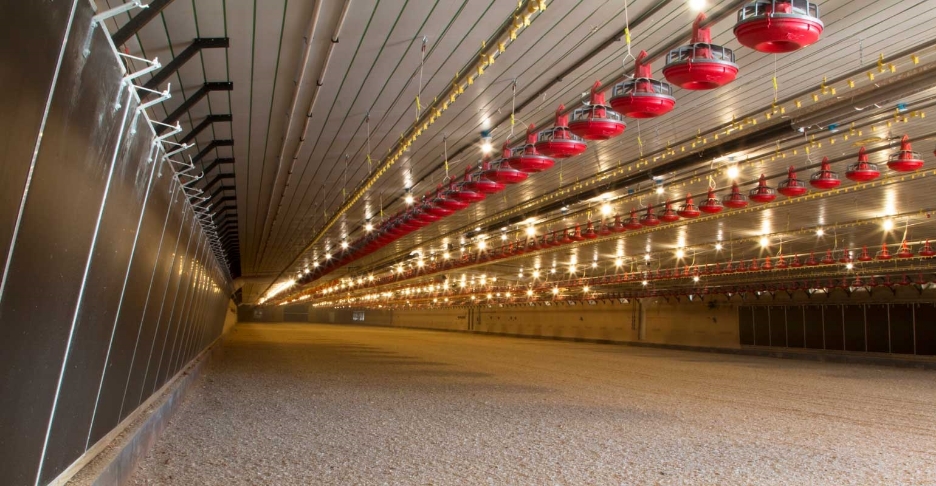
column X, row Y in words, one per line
column 109, row 286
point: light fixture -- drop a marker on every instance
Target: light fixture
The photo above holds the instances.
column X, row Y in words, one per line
column 764, row 241
column 594, row 264
column 718, row 246
column 503, row 237
column 659, row 190
column 344, row 245
column 552, row 270
column 888, row 225
column 697, row 5
column 446, row 255
column 585, row 289
column 481, row 245
column 368, row 227
column 733, row 172
column 536, row 273
column 555, row 290
column 314, row 264
column 530, row 293
column 820, row 232
column 531, row 231
column 647, row 257
column 420, row 263
column 606, row 209
column 849, row 266
column 695, row 278
column 618, row 262
column 680, row 253
column 490, row 296
column 644, row 283
column 409, row 199
column 328, row 256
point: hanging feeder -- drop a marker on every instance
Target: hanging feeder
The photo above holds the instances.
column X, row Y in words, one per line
column 460, row 192
column 499, row 171
column 688, row 210
column 577, row 234
column 701, row 64
column 827, row 259
column 526, row 159
column 905, row 160
column 618, row 225
column 778, row 26
column 735, row 200
column 862, row 171
column 559, row 142
column 927, row 250
column 796, row 262
column 590, row 233
column 633, row 223
column 811, row 261
column 669, row 214
column 451, row 199
column 605, row 228
column 711, row 204
column 483, row 185
column 425, row 213
column 556, row 240
column 596, row 120
column 792, row 187
column 884, row 254
column 437, row 205
column 649, row 219
column 825, row 179
column 864, row 257
column 904, row 251
column 642, row 96
column 781, row 262
column 762, row 193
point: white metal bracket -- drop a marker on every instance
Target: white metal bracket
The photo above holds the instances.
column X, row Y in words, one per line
column 132, row 4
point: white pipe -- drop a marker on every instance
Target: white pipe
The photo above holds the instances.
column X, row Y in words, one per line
column 305, row 127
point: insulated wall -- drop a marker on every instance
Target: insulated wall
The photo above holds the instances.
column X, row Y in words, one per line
column 109, row 285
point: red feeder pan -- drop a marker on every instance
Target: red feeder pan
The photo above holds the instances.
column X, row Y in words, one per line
column 589, row 232
column 642, row 96
column 795, row 263
column 735, row 200
column 669, row 214
column 556, row 240
column 559, row 142
column 527, row 159
column 619, row 226
column 884, row 254
column 688, row 210
column 792, row 187
column 503, row 173
column 828, row 259
column 825, row 179
column 649, row 219
column 862, row 171
column 864, row 257
column 711, row 204
column 778, row 26
column 457, row 199
column 482, row 185
column 577, row 235
column 927, row 250
column 633, row 223
column 906, row 160
column 605, row 229
column 596, row 121
column 811, row 261
column 904, row 251
column 700, row 65
column 762, row 193
column 436, row 206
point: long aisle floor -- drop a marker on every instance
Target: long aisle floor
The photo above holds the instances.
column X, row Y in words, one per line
column 318, row 404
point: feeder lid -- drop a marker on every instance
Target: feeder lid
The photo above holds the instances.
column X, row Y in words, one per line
column 905, row 160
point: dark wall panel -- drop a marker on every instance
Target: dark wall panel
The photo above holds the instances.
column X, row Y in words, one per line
column 813, row 320
column 901, row 328
column 34, row 42
column 37, row 308
column 181, row 321
column 761, row 326
column 796, row 332
column 778, row 329
column 876, row 319
column 746, row 324
column 151, row 241
column 854, row 327
column 832, row 320
column 94, row 323
column 926, row 329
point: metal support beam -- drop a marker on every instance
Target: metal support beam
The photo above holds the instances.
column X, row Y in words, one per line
column 137, row 22
column 219, row 192
column 183, row 57
column 205, row 124
column 194, row 99
column 218, row 178
column 218, row 162
column 211, row 146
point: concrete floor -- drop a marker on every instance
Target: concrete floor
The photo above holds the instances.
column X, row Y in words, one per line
column 317, row 404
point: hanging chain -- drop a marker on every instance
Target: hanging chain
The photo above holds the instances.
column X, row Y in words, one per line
column 369, row 161
column 627, row 38
column 445, row 153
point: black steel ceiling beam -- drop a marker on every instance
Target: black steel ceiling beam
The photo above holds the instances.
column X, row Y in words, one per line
column 130, row 29
column 189, row 52
column 218, row 178
column 217, row 162
column 226, row 199
column 211, row 146
column 193, row 100
column 207, row 122
column 219, row 192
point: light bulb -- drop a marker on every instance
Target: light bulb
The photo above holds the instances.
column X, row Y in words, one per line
column 820, row 232
column 530, row 293
column 647, row 257
column 409, row 199
column 606, row 209
column 344, row 244
column 536, row 273
column 732, row 171
column 368, row 227
column 718, row 246
column 618, row 262
column 328, row 256
column 481, row 245
column 555, row 290
column 888, row 225
column 486, row 147
column 696, row 5
column 680, row 253
column 695, row 279
column 446, row 255
column 644, row 283
column 659, row 190
column 764, row 241
column 531, row 231
column 849, row 266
